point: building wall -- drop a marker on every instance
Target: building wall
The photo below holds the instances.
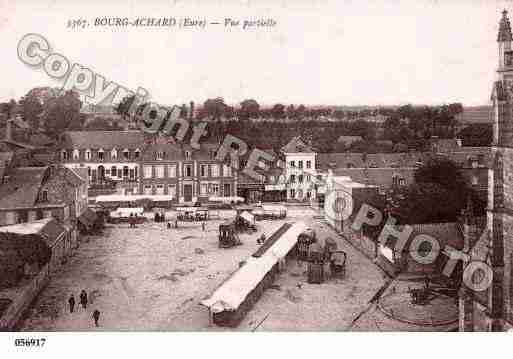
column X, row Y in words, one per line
column 295, row 189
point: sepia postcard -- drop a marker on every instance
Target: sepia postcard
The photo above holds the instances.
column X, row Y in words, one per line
column 254, row 166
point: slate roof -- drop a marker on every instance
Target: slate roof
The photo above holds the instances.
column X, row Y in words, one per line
column 132, row 139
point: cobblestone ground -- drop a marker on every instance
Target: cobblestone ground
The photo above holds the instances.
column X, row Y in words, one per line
column 153, row 278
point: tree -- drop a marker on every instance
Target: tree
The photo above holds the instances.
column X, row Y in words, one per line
column 249, row 109
column 477, row 135
column 214, row 108
column 123, row 106
column 60, row 112
column 278, row 111
column 426, row 203
column 31, row 109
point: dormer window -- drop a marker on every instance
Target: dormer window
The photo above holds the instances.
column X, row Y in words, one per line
column 126, row 154
column 101, row 155
column 88, row 154
column 76, row 154
column 64, row 155
column 114, row 154
column 159, row 155
column 187, row 154
column 137, row 153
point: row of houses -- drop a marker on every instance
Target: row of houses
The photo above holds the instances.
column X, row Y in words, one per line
column 128, row 162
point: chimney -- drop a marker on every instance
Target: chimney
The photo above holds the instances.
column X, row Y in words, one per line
column 191, row 113
column 8, row 130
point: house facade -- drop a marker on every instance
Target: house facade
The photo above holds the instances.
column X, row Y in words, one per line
column 111, row 158
column 300, row 170
column 185, row 174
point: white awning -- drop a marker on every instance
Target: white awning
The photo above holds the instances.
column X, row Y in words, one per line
column 248, row 216
column 275, row 187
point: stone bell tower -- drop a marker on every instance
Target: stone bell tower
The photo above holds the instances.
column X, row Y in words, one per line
column 500, row 182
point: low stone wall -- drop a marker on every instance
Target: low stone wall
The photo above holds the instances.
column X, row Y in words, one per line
column 20, row 304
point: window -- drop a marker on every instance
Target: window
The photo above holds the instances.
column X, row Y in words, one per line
column 292, row 164
column 292, row 193
column 171, row 190
column 159, row 171
column 308, row 164
column 137, row 153
column 308, row 194
column 125, row 171
column 11, row 217
column 300, row 194
column 120, row 172
column 203, row 170
column 89, row 171
column 300, row 164
column 100, row 155
column 188, row 170
column 292, row 178
column 43, row 196
column 147, row 189
column 227, row 171
column 215, row 189
column 113, row 171
column 203, row 189
column 171, row 170
column 187, row 154
column 126, row 154
column 508, row 58
column 474, row 180
column 300, row 178
column 308, row 178
column 215, row 170
column 160, row 189
column 64, row 155
column 76, row 154
column 132, row 173
column 147, row 170
column 114, row 154
column 159, row 155
column 88, row 154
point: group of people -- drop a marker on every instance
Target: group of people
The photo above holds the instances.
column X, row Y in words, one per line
column 261, row 239
column 83, row 302
column 159, row 217
column 132, row 220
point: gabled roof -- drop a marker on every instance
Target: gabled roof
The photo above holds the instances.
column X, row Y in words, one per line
column 103, row 139
column 297, row 145
column 382, row 177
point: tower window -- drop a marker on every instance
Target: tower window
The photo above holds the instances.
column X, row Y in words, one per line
column 508, row 58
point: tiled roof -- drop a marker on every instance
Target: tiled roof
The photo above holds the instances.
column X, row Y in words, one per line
column 102, row 139
column 375, row 160
column 476, row 114
column 22, row 187
column 48, row 228
column 376, row 176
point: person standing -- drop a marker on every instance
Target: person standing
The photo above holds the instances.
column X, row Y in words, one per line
column 96, row 317
column 71, row 302
column 83, row 298
column 203, row 226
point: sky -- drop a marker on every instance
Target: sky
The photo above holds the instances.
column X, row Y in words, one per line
column 319, row 52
